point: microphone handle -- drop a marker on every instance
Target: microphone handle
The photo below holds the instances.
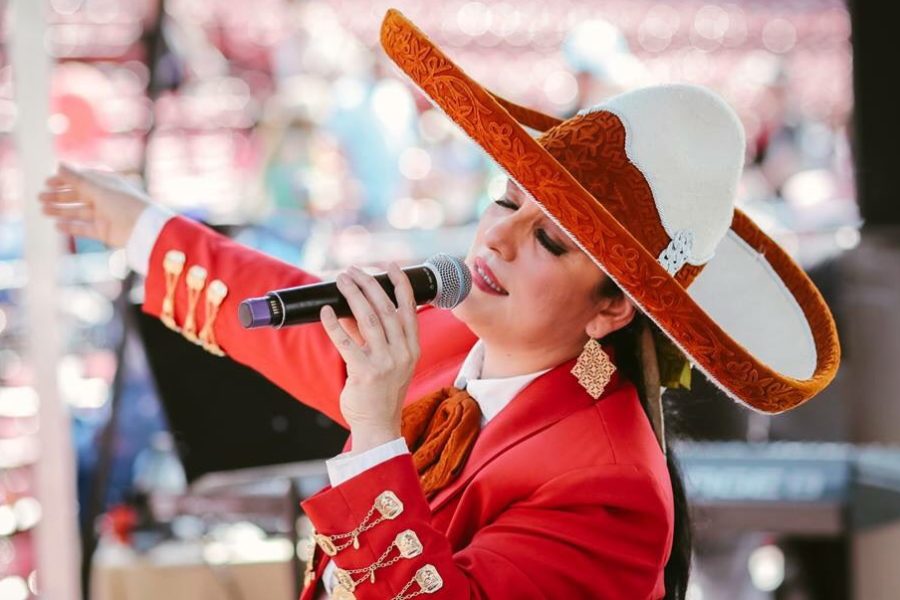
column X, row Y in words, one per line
column 302, row 304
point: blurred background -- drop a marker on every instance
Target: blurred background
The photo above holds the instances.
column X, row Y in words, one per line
column 282, row 124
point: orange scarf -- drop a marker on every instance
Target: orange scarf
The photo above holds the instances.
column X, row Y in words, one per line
column 440, row 430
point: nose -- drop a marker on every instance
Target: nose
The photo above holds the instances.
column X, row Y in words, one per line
column 504, row 236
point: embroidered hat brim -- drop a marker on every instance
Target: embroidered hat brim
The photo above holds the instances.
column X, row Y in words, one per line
column 748, row 317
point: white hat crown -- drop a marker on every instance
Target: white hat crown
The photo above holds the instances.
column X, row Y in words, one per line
column 689, row 144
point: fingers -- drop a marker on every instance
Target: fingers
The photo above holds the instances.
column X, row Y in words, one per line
column 61, row 201
column 66, row 210
column 346, row 346
column 83, row 181
column 367, row 319
column 406, row 307
column 59, row 190
column 382, row 305
column 379, row 328
column 59, row 195
column 352, row 329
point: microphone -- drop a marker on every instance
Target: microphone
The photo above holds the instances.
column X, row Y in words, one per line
column 443, row 281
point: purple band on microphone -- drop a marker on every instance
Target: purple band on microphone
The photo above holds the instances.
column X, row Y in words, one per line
column 255, row 312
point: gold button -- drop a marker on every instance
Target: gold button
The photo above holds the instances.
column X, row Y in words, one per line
column 173, row 262
column 408, row 544
column 388, row 504
column 344, row 579
column 326, row 544
column 216, row 291
column 429, row 579
column 196, row 277
column 340, row 593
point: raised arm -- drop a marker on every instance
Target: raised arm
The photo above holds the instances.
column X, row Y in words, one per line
column 301, row 359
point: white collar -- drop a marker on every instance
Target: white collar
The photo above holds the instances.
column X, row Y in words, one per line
column 492, row 395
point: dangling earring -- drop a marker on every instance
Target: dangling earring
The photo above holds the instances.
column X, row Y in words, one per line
column 593, row 369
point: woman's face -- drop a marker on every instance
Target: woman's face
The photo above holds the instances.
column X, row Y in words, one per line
column 541, row 288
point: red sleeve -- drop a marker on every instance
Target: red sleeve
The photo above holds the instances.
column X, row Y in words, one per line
column 301, row 359
column 598, row 533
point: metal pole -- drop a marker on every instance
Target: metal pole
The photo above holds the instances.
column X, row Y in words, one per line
column 57, row 533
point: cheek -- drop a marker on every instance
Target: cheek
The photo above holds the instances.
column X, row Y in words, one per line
column 548, row 287
column 560, row 294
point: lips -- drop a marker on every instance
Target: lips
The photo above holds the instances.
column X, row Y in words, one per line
column 486, row 280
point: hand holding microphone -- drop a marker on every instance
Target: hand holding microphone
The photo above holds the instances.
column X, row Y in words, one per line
column 382, row 348
column 443, row 281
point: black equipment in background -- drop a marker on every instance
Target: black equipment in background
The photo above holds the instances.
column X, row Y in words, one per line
column 225, row 416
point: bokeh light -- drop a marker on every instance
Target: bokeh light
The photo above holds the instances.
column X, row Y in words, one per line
column 766, row 567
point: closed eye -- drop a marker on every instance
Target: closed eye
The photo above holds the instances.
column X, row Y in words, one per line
column 545, row 240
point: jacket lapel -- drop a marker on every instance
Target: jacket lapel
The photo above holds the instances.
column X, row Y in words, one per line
column 549, row 398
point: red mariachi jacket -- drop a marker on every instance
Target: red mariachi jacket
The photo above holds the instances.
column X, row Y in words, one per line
column 562, row 496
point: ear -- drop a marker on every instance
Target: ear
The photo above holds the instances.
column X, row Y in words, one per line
column 614, row 314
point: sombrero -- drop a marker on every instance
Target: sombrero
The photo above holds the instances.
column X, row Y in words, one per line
column 644, row 184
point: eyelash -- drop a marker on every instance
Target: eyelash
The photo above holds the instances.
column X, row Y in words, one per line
column 542, row 237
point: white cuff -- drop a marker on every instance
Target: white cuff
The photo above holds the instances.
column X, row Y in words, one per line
column 140, row 243
column 349, row 464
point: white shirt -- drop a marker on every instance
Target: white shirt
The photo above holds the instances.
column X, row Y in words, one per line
column 492, row 395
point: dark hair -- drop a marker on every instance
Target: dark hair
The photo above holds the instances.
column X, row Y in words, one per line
column 624, row 342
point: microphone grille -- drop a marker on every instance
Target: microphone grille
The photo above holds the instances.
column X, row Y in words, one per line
column 454, row 280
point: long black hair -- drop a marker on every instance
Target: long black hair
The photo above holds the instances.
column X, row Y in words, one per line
column 625, row 344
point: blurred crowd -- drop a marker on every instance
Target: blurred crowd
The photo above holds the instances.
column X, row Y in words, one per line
column 283, row 121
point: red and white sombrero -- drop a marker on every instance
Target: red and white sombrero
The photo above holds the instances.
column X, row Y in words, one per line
column 645, row 185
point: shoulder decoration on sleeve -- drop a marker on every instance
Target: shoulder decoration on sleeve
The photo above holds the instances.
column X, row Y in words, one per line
column 215, row 295
column 196, row 279
column 173, row 265
column 387, row 505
